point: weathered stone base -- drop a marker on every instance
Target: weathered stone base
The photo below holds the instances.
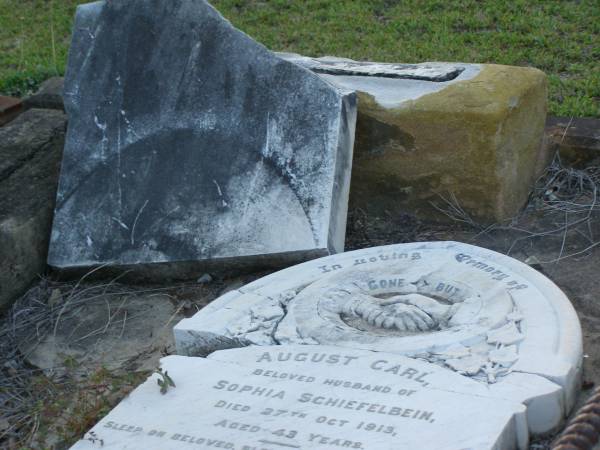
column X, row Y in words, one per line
column 30, row 153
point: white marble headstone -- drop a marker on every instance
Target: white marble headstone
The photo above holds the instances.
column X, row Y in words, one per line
column 310, row 397
column 475, row 313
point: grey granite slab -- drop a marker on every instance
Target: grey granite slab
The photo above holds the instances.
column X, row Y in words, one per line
column 190, row 144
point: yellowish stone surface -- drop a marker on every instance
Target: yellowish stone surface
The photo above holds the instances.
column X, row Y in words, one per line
column 478, row 140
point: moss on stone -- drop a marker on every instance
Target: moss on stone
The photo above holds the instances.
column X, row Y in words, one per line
column 478, row 139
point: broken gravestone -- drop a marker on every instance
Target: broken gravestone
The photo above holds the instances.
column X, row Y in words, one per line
column 189, row 143
column 310, row 397
column 405, row 342
column 471, row 311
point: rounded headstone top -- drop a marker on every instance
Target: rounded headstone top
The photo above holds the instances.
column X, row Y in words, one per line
column 474, row 311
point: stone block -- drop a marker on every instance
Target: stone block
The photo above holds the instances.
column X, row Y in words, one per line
column 472, row 132
column 191, row 147
column 30, row 153
column 48, row 96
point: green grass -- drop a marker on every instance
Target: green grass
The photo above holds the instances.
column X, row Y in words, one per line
column 560, row 37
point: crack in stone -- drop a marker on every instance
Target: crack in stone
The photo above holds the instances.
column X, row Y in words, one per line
column 276, row 326
column 284, row 300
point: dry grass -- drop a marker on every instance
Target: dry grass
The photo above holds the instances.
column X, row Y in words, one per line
column 563, row 208
column 59, row 405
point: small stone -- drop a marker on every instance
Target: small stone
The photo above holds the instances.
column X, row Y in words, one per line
column 187, row 304
column 205, row 279
column 532, row 261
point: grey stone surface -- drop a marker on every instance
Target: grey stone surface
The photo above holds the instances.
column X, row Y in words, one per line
column 48, row 96
column 30, row 152
column 190, row 144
